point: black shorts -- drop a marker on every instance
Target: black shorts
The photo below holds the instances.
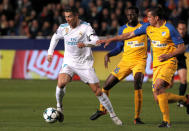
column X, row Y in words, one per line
column 182, row 64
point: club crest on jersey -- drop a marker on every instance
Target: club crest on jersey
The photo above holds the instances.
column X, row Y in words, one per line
column 80, row 33
column 163, row 33
column 66, row 30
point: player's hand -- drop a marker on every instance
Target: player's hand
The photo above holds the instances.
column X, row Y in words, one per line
column 164, row 57
column 80, row 45
column 49, row 58
column 106, row 60
column 107, row 42
column 99, row 42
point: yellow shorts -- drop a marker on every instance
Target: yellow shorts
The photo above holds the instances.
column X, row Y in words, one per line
column 125, row 68
column 164, row 72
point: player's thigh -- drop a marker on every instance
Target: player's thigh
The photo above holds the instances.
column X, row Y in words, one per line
column 63, row 79
column 160, row 86
column 87, row 75
column 65, row 75
column 183, row 75
column 122, row 70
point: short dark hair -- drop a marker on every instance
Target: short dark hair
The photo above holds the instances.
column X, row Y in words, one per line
column 71, row 9
column 134, row 8
column 157, row 11
column 181, row 22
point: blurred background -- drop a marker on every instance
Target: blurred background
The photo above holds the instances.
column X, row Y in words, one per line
column 33, row 18
column 26, row 27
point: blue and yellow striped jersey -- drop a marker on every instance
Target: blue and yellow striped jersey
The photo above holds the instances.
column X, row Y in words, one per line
column 163, row 40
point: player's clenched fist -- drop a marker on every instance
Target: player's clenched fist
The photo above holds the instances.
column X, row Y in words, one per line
column 49, row 58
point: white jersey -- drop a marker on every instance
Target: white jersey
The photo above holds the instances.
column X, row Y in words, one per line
column 73, row 56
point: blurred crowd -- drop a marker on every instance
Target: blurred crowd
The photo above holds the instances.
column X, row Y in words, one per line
column 33, row 18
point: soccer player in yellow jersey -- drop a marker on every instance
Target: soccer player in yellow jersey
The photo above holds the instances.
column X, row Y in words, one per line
column 133, row 61
column 166, row 44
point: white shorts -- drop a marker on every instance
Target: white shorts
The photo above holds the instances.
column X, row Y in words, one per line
column 86, row 75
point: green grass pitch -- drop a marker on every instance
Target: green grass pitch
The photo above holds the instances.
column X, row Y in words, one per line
column 22, row 103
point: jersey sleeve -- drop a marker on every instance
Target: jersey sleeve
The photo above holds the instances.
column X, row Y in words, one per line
column 54, row 40
column 91, row 36
column 119, row 45
column 175, row 36
column 117, row 50
column 141, row 30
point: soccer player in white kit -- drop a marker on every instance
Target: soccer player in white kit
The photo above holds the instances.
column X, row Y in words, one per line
column 77, row 60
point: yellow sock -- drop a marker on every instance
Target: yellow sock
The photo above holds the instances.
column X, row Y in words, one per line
column 102, row 108
column 172, row 98
column 138, row 102
column 163, row 104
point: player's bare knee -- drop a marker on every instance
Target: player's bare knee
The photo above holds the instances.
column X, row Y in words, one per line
column 138, row 79
column 62, row 83
column 98, row 92
column 160, row 86
column 137, row 86
column 159, row 90
column 183, row 81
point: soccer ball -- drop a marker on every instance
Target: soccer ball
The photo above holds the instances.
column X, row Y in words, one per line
column 50, row 115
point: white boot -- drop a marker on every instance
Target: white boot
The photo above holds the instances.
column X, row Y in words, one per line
column 117, row 121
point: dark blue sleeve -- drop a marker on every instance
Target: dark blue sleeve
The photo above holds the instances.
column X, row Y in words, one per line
column 175, row 36
column 141, row 30
column 119, row 44
column 117, row 50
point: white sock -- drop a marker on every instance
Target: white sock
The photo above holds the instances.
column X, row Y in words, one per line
column 104, row 100
column 60, row 92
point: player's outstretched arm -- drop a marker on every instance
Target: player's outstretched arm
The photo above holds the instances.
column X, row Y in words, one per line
column 179, row 50
column 122, row 37
column 81, row 45
column 53, row 43
column 90, row 40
